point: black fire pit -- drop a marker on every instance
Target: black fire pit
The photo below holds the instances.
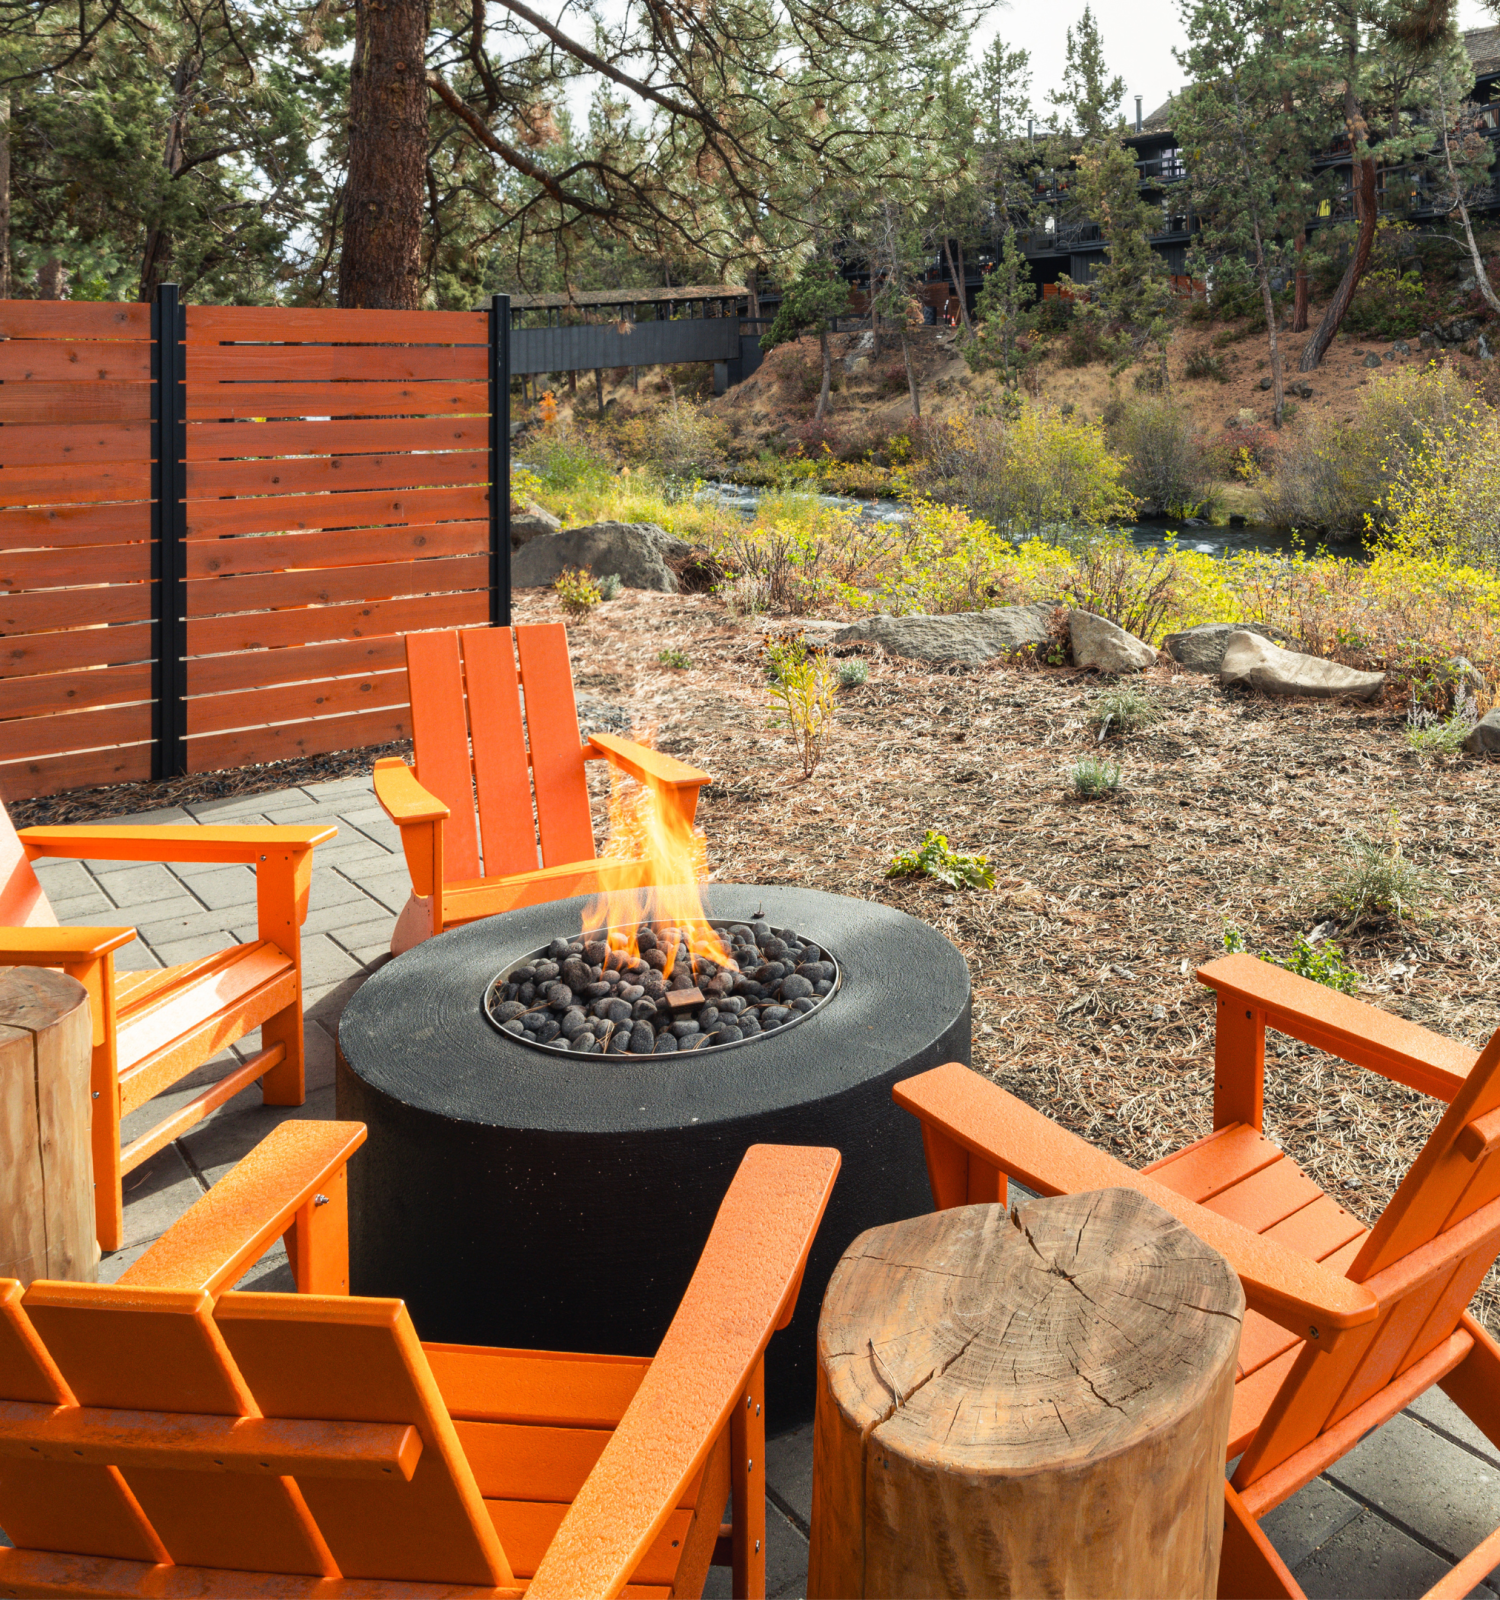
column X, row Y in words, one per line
column 549, row 1198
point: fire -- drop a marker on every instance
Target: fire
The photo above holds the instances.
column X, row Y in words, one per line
column 646, row 825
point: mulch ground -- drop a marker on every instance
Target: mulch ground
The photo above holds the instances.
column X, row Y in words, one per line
column 1234, row 810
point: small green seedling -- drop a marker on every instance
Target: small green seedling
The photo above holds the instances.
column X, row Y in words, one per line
column 853, row 673
column 609, row 586
column 674, row 658
column 1094, row 779
column 933, row 859
column 1322, row 963
column 802, row 683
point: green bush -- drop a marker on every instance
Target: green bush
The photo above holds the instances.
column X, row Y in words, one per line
column 1379, row 884
column 1094, row 779
column 674, row 658
column 853, row 673
column 1167, row 460
column 1125, row 709
column 1322, row 963
column 933, row 859
column 1202, row 365
column 1387, row 305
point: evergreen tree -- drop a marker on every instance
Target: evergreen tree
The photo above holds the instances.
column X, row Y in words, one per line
column 813, row 299
column 1007, row 313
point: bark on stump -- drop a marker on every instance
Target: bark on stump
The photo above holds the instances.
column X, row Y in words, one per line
column 1032, row 1404
column 46, row 1158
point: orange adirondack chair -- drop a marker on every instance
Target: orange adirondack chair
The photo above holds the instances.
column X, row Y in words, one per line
column 151, row 1029
column 162, row 1438
column 1346, row 1325
column 466, row 714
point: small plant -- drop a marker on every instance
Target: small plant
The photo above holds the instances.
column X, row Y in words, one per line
column 609, row 586
column 1094, row 779
column 1202, row 365
column 577, row 593
column 547, row 408
column 802, row 688
column 674, row 658
column 1124, row 710
column 1322, row 963
column 1431, row 735
column 853, row 673
column 1378, row 883
column 933, row 859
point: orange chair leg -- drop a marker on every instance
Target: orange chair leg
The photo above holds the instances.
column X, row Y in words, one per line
column 1474, row 1384
column 104, row 1138
column 1249, row 1568
column 747, row 1482
column 1239, row 1063
column 286, row 1083
column 283, row 879
column 317, row 1243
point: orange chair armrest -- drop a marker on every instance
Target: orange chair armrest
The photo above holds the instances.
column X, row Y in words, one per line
column 649, row 766
column 1347, row 1028
column 746, row 1279
column 402, row 798
column 56, row 947
column 1291, row 1289
column 212, row 1244
column 157, row 843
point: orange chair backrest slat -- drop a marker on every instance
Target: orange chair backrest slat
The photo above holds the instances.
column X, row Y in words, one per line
column 500, row 771
column 56, row 1505
column 557, row 771
column 440, row 740
column 358, row 1360
column 1436, row 1211
column 158, row 1350
column 23, row 901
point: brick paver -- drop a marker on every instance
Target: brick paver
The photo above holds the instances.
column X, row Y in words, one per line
column 1408, row 1501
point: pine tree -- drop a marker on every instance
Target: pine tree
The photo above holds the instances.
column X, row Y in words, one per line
column 1007, row 313
column 813, row 299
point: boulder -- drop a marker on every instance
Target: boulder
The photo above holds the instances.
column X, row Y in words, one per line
column 1102, row 645
column 972, row 637
column 638, row 551
column 529, row 522
column 1201, row 649
column 1485, row 739
column 1256, row 663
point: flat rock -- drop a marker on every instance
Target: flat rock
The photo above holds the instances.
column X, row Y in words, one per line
column 1106, row 647
column 972, row 637
column 1201, row 649
column 1485, row 739
column 1256, row 663
column 529, row 522
column 637, row 551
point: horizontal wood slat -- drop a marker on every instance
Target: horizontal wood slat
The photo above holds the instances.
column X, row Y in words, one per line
column 74, row 319
column 66, row 608
column 325, row 474
column 292, row 513
column 331, row 585
column 254, row 669
column 24, row 737
column 327, row 697
column 55, row 526
column 213, row 752
column 277, row 322
column 75, row 402
column 45, row 360
column 71, row 485
column 75, row 770
column 53, row 692
column 209, row 558
column 325, row 363
column 22, row 570
column 213, row 441
column 333, row 401
column 51, row 444
column 64, row 652
column 315, row 624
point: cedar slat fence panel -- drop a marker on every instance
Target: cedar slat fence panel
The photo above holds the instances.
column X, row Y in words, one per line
column 337, row 484
column 76, row 590
column 335, row 469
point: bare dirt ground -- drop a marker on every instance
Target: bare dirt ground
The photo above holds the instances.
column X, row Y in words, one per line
column 1234, row 810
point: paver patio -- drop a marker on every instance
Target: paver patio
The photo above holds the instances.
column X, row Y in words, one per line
column 1411, row 1499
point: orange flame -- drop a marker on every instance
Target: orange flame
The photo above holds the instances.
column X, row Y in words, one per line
column 647, row 826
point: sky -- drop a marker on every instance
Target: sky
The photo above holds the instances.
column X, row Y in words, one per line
column 1138, row 39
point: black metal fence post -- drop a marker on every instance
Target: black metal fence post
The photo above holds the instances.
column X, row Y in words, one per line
column 500, row 461
column 168, row 531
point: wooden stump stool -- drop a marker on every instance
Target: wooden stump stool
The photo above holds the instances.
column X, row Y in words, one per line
column 1027, row 1404
column 46, row 1160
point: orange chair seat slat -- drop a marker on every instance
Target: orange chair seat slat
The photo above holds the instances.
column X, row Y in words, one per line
column 198, row 999
column 539, row 1387
column 1218, row 1162
column 1272, row 1195
column 1319, row 1230
column 1261, row 1340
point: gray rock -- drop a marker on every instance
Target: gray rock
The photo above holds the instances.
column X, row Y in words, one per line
column 1104, row 646
column 531, row 522
column 1256, row 663
column 1372, row 360
column 1400, row 348
column 1201, row 649
column 972, row 637
column 1427, row 340
column 1485, row 739
column 638, row 551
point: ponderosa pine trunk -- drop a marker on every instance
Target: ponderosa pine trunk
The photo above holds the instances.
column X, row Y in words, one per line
column 823, row 393
column 5, row 196
column 955, row 272
column 911, row 375
column 1367, row 208
column 380, row 266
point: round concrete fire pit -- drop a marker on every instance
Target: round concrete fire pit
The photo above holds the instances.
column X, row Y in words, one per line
column 550, row 1200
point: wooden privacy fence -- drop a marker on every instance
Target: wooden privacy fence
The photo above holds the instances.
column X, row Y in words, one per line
column 216, row 523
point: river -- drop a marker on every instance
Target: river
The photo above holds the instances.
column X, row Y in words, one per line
column 1216, row 541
